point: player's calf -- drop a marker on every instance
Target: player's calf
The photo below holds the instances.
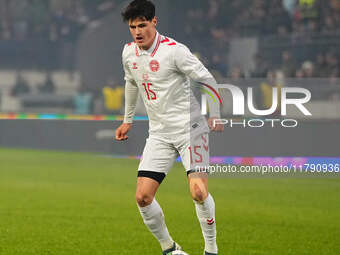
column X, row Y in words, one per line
column 205, row 210
column 206, row 215
column 153, row 218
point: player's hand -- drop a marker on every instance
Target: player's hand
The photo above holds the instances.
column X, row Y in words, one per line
column 122, row 131
column 215, row 126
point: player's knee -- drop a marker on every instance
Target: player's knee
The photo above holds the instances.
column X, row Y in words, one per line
column 198, row 194
column 143, row 199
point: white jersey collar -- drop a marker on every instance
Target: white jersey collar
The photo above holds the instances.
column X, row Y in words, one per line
column 153, row 49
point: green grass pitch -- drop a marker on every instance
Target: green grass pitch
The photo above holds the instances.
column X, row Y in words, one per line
column 78, row 203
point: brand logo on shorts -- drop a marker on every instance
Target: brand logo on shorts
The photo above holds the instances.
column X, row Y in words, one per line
column 195, row 125
column 154, row 65
column 210, row 221
column 134, row 65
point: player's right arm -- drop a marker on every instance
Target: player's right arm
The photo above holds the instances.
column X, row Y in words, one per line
column 122, row 130
column 131, row 96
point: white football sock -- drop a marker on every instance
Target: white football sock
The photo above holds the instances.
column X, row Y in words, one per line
column 206, row 215
column 154, row 219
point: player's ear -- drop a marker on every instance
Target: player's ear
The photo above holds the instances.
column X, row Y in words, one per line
column 154, row 21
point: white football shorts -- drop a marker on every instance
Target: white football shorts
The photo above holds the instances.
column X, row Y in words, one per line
column 161, row 152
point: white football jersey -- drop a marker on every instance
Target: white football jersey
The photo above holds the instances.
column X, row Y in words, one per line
column 162, row 76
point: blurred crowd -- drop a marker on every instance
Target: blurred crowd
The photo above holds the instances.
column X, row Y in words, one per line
column 207, row 26
column 49, row 19
column 323, row 65
column 296, row 39
column 217, row 22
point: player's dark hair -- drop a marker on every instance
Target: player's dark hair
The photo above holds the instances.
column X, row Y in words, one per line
column 139, row 9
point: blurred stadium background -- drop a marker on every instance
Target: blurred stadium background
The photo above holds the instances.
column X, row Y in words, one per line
column 64, row 56
column 61, row 88
column 62, row 60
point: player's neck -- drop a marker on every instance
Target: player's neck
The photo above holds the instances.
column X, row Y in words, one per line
column 151, row 43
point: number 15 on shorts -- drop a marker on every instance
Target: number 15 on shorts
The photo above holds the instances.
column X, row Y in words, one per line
column 199, row 153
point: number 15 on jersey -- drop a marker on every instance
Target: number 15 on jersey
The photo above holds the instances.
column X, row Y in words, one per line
column 149, row 92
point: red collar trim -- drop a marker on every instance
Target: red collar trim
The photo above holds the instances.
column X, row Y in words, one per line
column 157, row 46
column 137, row 53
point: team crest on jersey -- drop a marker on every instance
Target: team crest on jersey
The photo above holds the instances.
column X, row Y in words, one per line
column 154, row 65
column 134, row 65
column 145, row 76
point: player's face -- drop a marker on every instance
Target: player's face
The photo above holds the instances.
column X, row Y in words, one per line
column 143, row 32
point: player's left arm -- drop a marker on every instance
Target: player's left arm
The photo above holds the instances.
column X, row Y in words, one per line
column 191, row 66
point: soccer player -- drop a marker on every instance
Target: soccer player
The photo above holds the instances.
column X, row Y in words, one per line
column 160, row 69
